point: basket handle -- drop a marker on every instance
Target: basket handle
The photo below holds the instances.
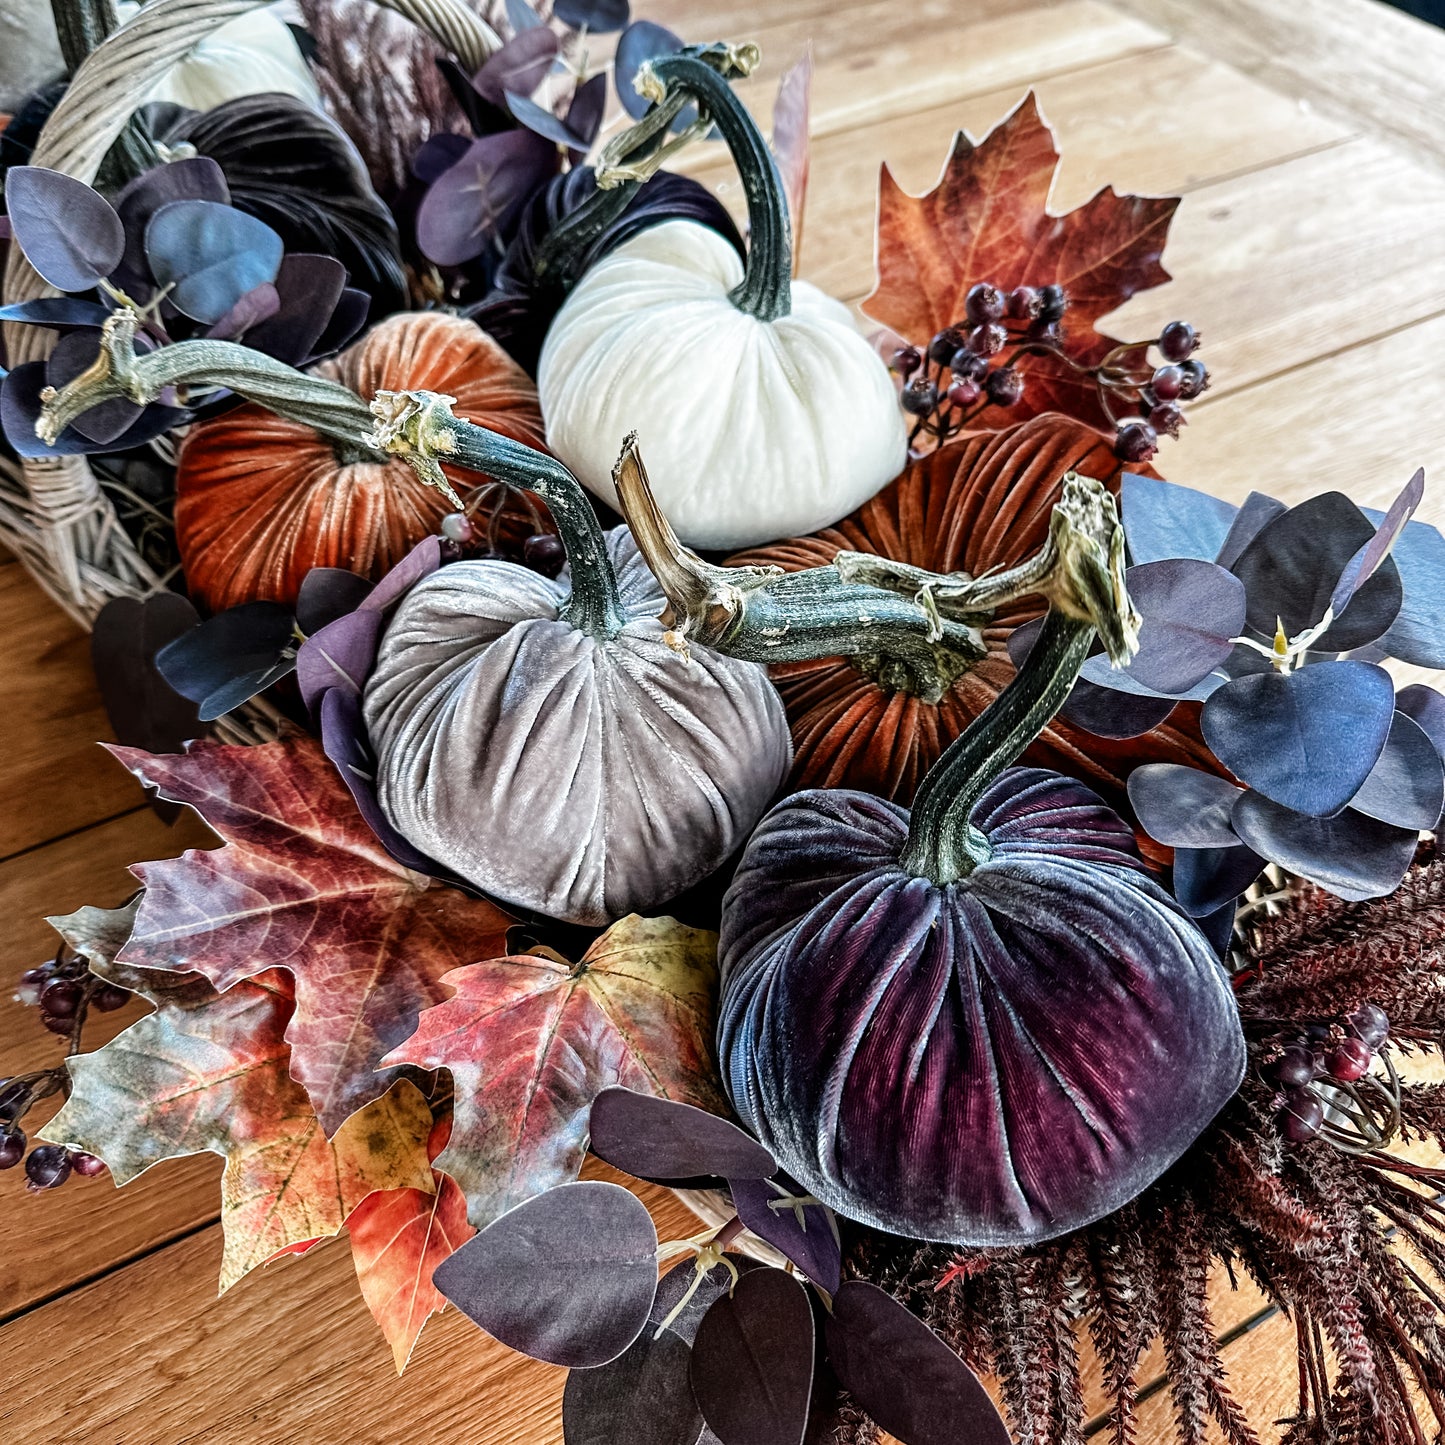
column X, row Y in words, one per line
column 101, row 98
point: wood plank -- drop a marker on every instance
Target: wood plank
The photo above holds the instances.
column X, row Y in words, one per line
column 1187, row 123
column 1354, row 59
column 83, row 1228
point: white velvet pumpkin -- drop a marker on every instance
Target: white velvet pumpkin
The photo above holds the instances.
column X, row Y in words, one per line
column 579, row 777
column 752, row 429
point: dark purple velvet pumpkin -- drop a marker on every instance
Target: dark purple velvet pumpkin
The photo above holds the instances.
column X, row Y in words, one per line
column 992, row 1061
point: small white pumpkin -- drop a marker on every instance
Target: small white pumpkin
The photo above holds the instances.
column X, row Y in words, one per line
column 761, row 409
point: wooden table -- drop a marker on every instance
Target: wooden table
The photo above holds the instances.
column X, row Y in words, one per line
column 1306, row 141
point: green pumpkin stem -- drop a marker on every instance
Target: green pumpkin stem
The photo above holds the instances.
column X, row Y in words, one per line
column 767, row 286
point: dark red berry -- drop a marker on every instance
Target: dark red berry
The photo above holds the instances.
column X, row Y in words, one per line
column 545, row 552
column 985, row 302
column 1137, row 441
column 964, row 393
column 1349, row 1061
column 55, row 1025
column 1294, row 1068
column 1004, row 386
column 1196, row 378
column 1303, row 1116
column 1177, row 340
column 968, row 365
column 1046, row 333
column 907, row 360
column 1167, row 382
column 62, row 999
column 1024, row 303
column 920, row 396
column 87, row 1165
column 109, row 997
column 1052, row 303
column 12, row 1149
column 944, row 344
column 1166, row 418
column 48, row 1166
column 988, row 339
column 1370, row 1024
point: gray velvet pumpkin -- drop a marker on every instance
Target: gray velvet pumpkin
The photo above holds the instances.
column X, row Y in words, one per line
column 575, row 773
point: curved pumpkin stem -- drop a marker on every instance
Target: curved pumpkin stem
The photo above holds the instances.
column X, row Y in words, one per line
column 1081, row 572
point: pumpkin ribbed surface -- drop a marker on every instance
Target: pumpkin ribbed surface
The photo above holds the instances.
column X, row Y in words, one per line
column 981, row 504
column 261, row 500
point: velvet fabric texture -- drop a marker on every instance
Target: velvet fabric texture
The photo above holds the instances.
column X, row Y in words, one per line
column 578, row 778
column 990, row 1063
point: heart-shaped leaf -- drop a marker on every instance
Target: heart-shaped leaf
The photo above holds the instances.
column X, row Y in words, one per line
column 600, row 16
column 806, row 1233
column 1367, row 561
column 1407, row 786
column 69, row 233
column 1306, row 739
column 1427, row 707
column 1254, row 512
column 193, row 178
column 640, row 42
column 144, row 709
column 210, row 255
column 1182, row 807
column 584, row 113
column 752, row 1361
column 653, row 1138
column 231, row 657
column 20, row 408
column 903, row 1375
column 1349, row 855
column 328, row 594
column 519, row 67
column 75, row 353
column 1417, row 635
column 1163, row 520
column 1205, row 879
column 643, row 1397
column 1192, row 611
column 568, row 1276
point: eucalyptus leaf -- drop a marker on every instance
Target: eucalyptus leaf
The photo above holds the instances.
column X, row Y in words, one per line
column 1205, row 879
column 308, row 289
column 1427, row 707
column 640, row 42
column 59, row 313
column 20, row 408
column 70, row 234
column 1367, row 561
column 643, row 1397
column 600, row 16
column 74, row 353
column 805, row 1233
column 1162, row 520
column 210, row 255
column 1406, row 786
column 327, row 594
column 1417, row 635
column 653, row 1138
column 1182, row 807
column 194, row 178
column 1192, row 611
column 229, row 658
column 519, row 67
column 1254, row 512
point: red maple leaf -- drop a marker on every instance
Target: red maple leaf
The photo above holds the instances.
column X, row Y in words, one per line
column 210, row 1071
column 531, row 1040
column 987, row 219
column 303, row 885
column 398, row 1237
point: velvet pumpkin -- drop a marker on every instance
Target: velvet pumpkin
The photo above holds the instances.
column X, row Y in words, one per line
column 982, row 503
column 260, row 500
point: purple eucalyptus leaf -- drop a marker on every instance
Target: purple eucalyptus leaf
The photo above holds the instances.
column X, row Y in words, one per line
column 483, row 118
column 1305, row 739
column 1427, row 707
column 143, row 708
column 584, row 114
column 70, row 234
column 256, row 306
column 521, row 16
column 229, row 658
column 1162, row 520
column 568, row 1276
column 643, row 1397
column 1192, row 611
column 1367, row 561
column 76, row 352
column 59, row 313
column 1182, row 807
column 752, row 1361
column 210, row 255
column 640, row 42
column 803, row 1233
column 476, row 201
column 903, row 1375
column 519, row 67
column 686, row 1313
column 542, row 122
column 327, row 594
column 1349, row 855
column 20, row 411
column 1292, row 566
column 437, row 154
column 1417, row 635
column 196, row 178
column 660, row 1139
column 1254, row 512
column 1205, row 879
column 599, row 16
column 1407, row 786
column 308, row 289
column 347, row 319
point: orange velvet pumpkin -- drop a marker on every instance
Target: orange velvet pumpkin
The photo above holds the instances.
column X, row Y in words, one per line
column 979, row 504
column 261, row 500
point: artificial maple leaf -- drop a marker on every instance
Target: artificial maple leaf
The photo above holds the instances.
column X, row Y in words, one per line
column 302, row 884
column 398, row 1237
column 531, row 1040
column 987, row 219
column 790, row 140
column 210, row 1071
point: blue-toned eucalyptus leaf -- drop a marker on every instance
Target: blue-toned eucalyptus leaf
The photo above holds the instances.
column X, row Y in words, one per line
column 210, row 255
column 1192, row 611
column 1306, row 739
column 1292, row 566
column 1205, row 879
column 805, row 1233
column 601, row 16
column 1349, row 855
column 1163, row 520
column 76, row 352
column 1368, row 560
column 1427, row 707
column 1254, row 512
column 195, row 178
column 1407, row 786
column 59, row 313
column 1417, row 635
column 1218, row 927
column 20, row 410
column 521, row 16
column 69, row 233
column 519, row 67
column 1182, row 807
column 542, row 122
column 640, row 42
column 231, row 657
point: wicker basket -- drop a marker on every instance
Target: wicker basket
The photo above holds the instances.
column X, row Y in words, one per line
column 53, row 514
